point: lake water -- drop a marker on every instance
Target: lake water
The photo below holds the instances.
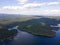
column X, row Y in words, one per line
column 25, row 38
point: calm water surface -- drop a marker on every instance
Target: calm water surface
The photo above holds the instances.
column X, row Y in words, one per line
column 25, row 38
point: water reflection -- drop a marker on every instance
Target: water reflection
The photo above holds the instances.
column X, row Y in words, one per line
column 25, row 38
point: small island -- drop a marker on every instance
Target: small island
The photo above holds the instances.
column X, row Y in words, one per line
column 39, row 31
column 37, row 27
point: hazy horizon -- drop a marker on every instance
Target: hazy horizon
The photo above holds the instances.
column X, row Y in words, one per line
column 29, row 15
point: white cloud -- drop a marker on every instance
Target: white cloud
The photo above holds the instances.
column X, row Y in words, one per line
column 25, row 9
column 12, row 7
column 33, row 5
column 54, row 11
column 22, row 1
column 53, row 3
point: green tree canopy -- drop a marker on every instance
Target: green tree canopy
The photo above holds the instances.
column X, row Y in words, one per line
column 5, row 33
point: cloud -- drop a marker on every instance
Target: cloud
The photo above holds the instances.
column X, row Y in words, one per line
column 25, row 6
column 37, row 5
column 29, row 8
column 53, row 3
column 26, row 11
column 12, row 7
column 33, row 5
column 22, row 1
column 54, row 11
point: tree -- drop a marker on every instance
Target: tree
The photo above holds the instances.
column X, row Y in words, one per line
column 5, row 33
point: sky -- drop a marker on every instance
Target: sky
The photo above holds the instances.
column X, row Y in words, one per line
column 30, row 7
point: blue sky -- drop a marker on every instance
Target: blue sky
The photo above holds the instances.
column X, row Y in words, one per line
column 30, row 7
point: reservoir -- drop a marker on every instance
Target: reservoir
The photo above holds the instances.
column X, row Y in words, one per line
column 25, row 38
